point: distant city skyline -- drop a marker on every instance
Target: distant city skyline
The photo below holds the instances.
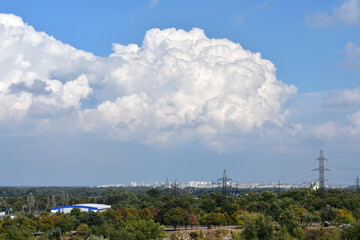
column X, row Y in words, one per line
column 96, row 92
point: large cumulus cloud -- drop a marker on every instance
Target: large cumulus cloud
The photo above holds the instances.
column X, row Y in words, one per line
column 28, row 61
column 176, row 85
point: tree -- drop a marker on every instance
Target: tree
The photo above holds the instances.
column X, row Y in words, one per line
column 75, row 212
column 288, row 219
column 193, row 220
column 298, row 211
column 146, row 229
column 176, row 217
column 352, row 232
column 55, row 234
column 309, row 217
column 90, row 218
column 82, row 229
column 47, row 222
column 212, row 219
column 65, row 223
column 344, row 216
column 17, row 233
column 145, row 213
column 207, row 204
column 219, row 219
column 154, row 193
column 258, row 227
column 328, row 213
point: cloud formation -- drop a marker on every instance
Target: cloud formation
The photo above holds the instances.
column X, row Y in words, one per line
column 348, row 13
column 177, row 86
column 352, row 51
column 28, row 58
column 345, row 98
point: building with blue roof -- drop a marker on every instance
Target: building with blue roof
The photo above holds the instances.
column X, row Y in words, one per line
column 84, row 207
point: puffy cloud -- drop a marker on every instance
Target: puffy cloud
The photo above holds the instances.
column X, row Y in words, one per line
column 348, row 12
column 181, row 82
column 28, row 59
column 177, row 86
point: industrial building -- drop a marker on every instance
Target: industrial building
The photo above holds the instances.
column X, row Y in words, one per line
column 84, row 207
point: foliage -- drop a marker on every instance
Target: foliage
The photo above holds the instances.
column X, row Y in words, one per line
column 141, row 212
column 352, row 231
column 176, row 217
column 288, row 219
column 93, row 237
column 344, row 216
column 257, row 226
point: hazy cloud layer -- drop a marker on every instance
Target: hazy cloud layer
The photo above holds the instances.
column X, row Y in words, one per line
column 348, row 13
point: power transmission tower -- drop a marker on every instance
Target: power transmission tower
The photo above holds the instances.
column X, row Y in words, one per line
column 321, row 170
column 224, row 181
column 167, row 186
column 175, row 188
column 357, row 183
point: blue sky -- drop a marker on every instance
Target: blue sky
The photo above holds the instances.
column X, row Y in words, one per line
column 94, row 119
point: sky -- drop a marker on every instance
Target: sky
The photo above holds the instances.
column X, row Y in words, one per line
column 108, row 92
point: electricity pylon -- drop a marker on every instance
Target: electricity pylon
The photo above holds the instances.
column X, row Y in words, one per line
column 224, row 181
column 321, row 170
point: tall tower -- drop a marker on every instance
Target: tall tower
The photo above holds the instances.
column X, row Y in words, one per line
column 175, row 188
column 224, row 181
column 167, row 187
column 321, row 170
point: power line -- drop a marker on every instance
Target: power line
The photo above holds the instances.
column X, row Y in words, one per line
column 344, row 168
column 290, row 175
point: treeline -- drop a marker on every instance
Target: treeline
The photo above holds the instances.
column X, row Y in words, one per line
column 297, row 214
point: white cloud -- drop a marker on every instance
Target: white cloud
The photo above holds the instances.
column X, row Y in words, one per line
column 348, row 13
column 326, row 130
column 352, row 52
column 177, row 86
column 354, row 127
column 179, row 81
column 28, row 59
column 345, row 98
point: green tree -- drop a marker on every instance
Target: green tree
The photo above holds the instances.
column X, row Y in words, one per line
column 352, row 232
column 310, row 217
column 328, row 213
column 176, row 217
column 344, row 216
column 288, row 219
column 207, row 204
column 90, row 218
column 154, row 193
column 66, row 223
column 17, row 233
column 257, row 226
column 75, row 212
